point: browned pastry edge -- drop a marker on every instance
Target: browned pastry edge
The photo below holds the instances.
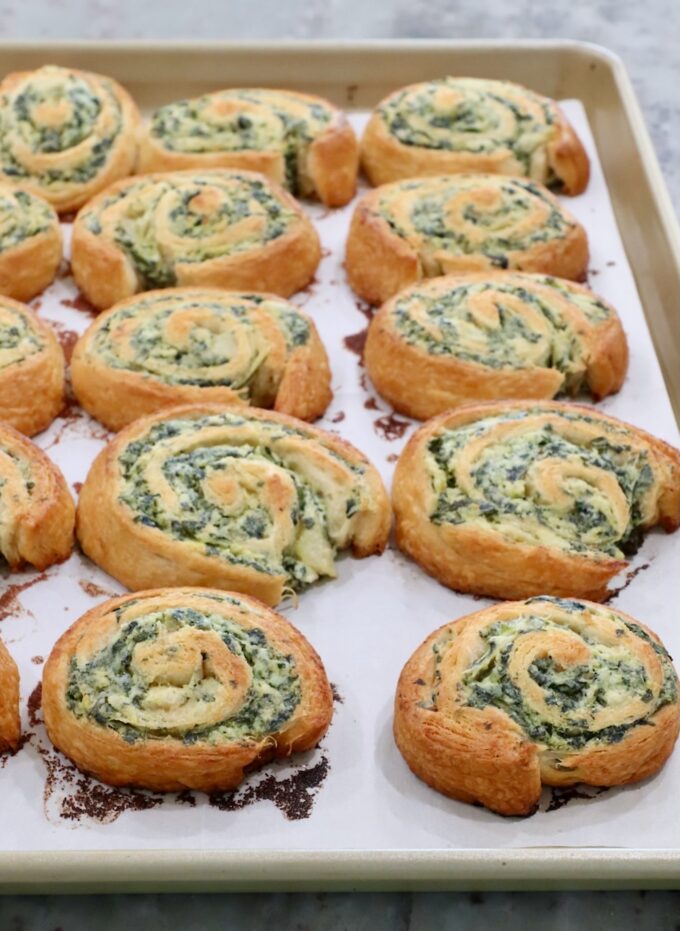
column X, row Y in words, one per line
column 483, row 756
column 287, row 264
column 144, row 556
column 32, row 392
column 380, row 263
column 472, row 559
column 44, row 532
column 117, row 396
column 422, row 384
column 165, row 764
column 10, row 720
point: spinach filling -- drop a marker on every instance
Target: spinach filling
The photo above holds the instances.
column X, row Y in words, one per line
column 445, row 324
column 82, row 112
column 22, row 216
column 208, row 348
column 265, row 121
column 504, row 223
column 481, row 122
column 232, row 534
column 101, row 688
column 503, row 490
column 18, row 340
column 611, row 677
column 198, row 235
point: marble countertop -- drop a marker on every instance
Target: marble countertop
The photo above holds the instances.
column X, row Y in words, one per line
column 646, row 37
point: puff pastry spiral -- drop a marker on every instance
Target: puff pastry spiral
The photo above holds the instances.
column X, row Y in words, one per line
column 31, row 369
column 183, row 688
column 226, row 229
column 471, row 124
column 198, row 344
column 518, row 498
column 545, row 691
column 241, row 499
column 464, row 338
column 66, row 134
column 10, row 720
column 300, row 141
column 36, row 509
column 30, row 243
column 422, row 228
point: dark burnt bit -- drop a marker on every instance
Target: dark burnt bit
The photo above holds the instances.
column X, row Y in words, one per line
column 64, row 270
column 94, row 590
column 185, row 797
column 77, row 487
column 371, row 405
column 365, row 308
column 390, row 427
column 294, row 796
column 563, row 795
column 356, row 343
column 393, row 457
column 337, row 697
column 68, row 217
column 9, row 600
column 37, row 660
column 610, row 264
column 338, row 418
column 419, row 682
column 79, row 302
column 630, row 576
column 36, row 305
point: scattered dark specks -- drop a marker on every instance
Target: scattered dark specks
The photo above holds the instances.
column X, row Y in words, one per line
column 630, row 575
column 38, row 660
column 338, row 418
column 9, row 600
column 294, row 795
column 337, row 697
column 392, row 457
column 563, row 795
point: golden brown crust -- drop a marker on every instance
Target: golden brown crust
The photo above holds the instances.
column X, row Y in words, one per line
column 117, row 383
column 106, row 273
column 380, row 260
column 330, row 163
column 10, row 720
column 423, row 381
column 37, row 512
column 29, row 263
column 119, row 130
column 385, row 158
column 466, row 745
column 162, row 666
column 473, row 556
column 31, row 382
column 141, row 555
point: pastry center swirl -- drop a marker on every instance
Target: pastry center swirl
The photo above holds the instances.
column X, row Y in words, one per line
column 162, row 222
column 254, row 493
column 568, row 681
column 18, row 340
column 499, row 325
column 22, row 216
column 465, row 214
column 475, row 117
column 187, row 673
column 58, row 127
column 206, row 341
column 557, row 479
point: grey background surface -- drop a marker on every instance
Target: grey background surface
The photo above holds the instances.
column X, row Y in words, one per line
column 647, row 36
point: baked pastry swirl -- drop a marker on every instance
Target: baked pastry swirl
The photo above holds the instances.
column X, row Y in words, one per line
column 545, row 691
column 223, row 229
column 36, row 510
column 470, row 124
column 30, row 243
column 66, row 134
column 298, row 140
column 464, row 338
column 241, row 499
column 423, row 228
column 183, row 688
column 10, row 720
column 188, row 345
column 524, row 498
column 31, row 369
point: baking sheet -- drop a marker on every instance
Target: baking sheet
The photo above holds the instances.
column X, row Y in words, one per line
column 354, row 792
